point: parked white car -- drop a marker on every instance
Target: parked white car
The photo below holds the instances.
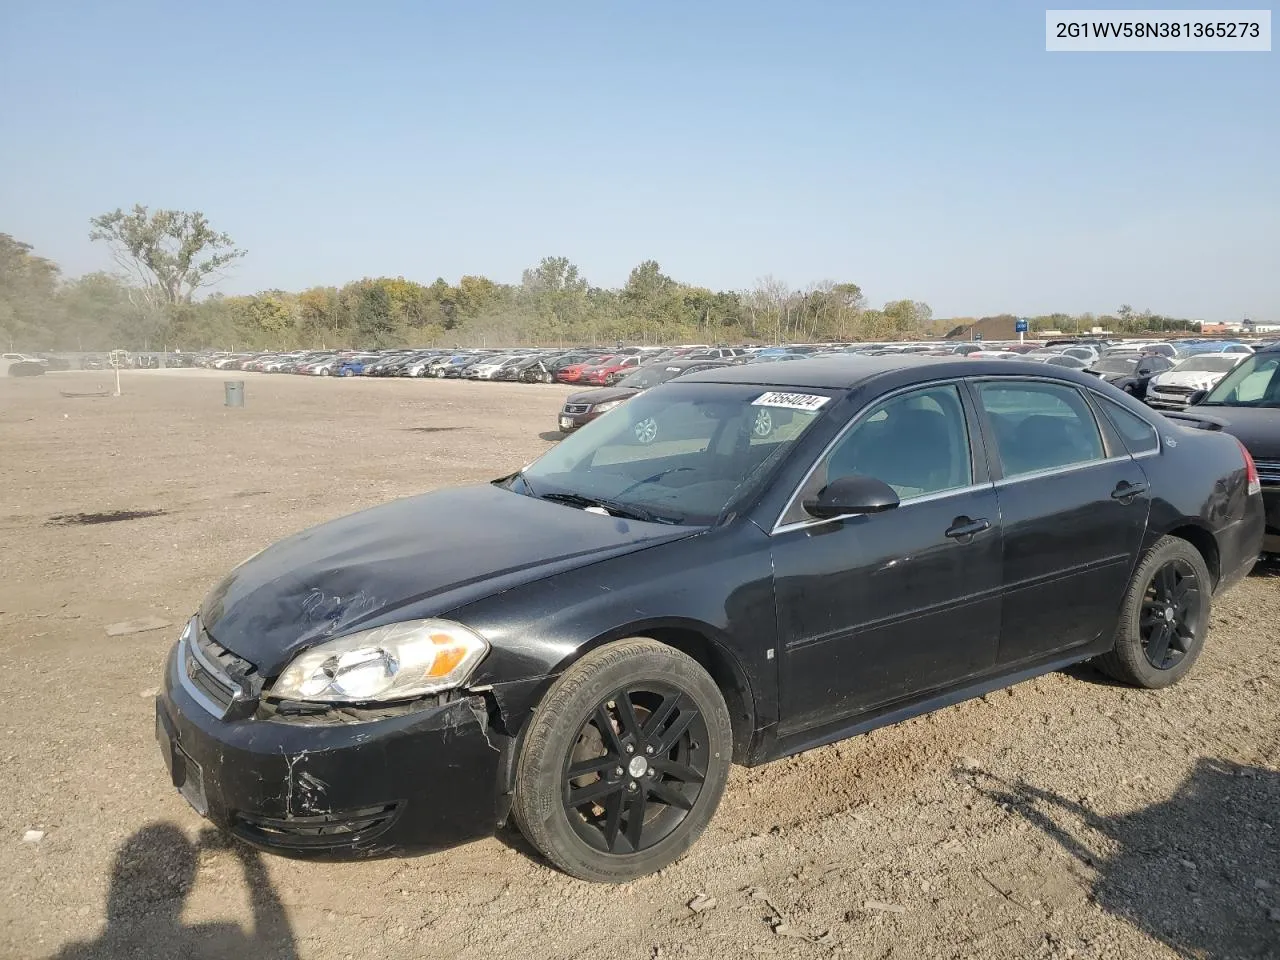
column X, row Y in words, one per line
column 1172, row 389
column 486, row 370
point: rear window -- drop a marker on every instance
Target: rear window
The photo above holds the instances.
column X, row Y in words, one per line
column 1139, row 436
column 1040, row 426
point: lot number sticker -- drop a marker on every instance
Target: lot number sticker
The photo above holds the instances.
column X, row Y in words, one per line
column 791, row 401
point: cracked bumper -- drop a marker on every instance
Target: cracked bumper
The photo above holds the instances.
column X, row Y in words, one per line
column 427, row 779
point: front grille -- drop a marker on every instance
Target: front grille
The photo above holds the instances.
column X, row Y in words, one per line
column 326, row 830
column 577, row 407
column 1268, row 471
column 1173, row 388
column 212, row 674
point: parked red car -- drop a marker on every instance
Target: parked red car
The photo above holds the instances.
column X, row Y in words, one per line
column 573, row 374
column 603, row 374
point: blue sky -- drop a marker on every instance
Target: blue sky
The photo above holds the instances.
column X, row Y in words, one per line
column 924, row 150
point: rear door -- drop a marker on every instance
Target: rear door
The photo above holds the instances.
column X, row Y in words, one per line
column 1074, row 508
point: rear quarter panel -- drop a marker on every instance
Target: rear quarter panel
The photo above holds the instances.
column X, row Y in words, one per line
column 1198, row 479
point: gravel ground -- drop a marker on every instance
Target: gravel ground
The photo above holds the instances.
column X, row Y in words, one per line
column 1064, row 817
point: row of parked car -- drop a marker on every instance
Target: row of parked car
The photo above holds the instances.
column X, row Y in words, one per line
column 1164, row 373
column 587, row 365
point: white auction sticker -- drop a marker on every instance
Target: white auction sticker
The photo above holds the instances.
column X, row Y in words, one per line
column 792, row 401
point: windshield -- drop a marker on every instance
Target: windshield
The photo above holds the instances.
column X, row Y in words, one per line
column 1210, row 363
column 1115, row 364
column 677, row 454
column 1255, row 383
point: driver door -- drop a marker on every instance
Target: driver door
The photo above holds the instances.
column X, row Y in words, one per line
column 884, row 607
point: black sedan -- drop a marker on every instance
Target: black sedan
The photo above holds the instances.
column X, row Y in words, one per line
column 583, row 647
column 581, row 408
column 1130, row 372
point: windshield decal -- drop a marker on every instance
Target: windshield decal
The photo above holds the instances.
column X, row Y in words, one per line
column 791, row 401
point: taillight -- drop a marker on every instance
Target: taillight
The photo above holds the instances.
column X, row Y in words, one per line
column 1250, row 470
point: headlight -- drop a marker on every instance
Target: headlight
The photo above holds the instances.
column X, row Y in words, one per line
column 395, row 662
column 602, row 407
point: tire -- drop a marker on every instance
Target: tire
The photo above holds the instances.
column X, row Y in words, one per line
column 676, row 733
column 1172, row 576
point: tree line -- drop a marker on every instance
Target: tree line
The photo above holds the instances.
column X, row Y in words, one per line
column 166, row 258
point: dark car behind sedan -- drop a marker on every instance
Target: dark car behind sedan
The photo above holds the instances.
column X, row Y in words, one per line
column 788, row 554
column 1130, row 372
column 581, row 408
column 1246, row 404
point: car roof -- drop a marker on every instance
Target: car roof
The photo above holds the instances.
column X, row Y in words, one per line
column 710, row 362
column 846, row 371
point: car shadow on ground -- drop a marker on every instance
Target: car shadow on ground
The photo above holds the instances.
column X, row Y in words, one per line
column 153, row 873
column 1199, row 872
column 552, row 436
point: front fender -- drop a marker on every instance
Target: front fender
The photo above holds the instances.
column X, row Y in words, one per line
column 717, row 585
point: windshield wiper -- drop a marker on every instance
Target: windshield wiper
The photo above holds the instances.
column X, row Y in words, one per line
column 653, row 479
column 626, row 511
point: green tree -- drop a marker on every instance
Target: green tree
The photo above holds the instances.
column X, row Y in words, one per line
column 169, row 254
column 28, row 309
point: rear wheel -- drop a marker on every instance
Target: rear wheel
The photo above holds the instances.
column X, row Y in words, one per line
column 624, row 762
column 1164, row 618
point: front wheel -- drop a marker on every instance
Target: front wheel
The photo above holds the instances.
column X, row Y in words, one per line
column 1164, row 618
column 624, row 762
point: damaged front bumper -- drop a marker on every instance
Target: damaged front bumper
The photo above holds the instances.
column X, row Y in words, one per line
column 424, row 779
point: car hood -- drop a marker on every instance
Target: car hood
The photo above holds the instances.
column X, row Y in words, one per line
column 603, row 395
column 1258, row 428
column 408, row 559
column 1188, row 378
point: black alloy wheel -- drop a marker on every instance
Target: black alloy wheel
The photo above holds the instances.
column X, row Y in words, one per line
column 1164, row 617
column 636, row 769
column 1170, row 614
column 623, row 762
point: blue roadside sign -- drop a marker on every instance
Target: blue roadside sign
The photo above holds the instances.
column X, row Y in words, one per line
column 1020, row 325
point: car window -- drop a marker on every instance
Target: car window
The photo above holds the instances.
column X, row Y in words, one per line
column 1074, row 363
column 917, row 443
column 1039, row 426
column 1139, row 436
column 1148, row 366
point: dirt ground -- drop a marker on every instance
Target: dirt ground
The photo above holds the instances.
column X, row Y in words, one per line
column 1065, row 817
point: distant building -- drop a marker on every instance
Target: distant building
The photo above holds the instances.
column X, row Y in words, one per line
column 1258, row 326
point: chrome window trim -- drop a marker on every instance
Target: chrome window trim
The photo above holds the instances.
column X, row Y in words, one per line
column 780, row 527
column 910, row 501
column 1056, row 471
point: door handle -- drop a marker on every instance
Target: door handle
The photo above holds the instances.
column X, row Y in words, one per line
column 1126, row 491
column 962, row 528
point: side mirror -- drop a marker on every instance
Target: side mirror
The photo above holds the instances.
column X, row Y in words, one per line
column 854, row 494
column 1196, row 397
